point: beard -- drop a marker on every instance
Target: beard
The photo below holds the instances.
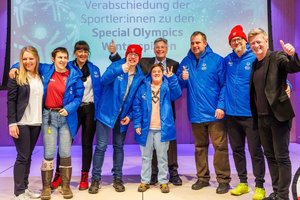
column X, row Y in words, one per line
column 238, row 49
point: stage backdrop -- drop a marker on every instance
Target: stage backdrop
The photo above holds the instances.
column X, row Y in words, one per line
column 47, row 24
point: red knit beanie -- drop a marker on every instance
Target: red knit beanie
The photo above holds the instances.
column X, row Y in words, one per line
column 134, row 48
column 237, row 31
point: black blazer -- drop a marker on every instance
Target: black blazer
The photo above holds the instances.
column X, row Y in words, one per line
column 17, row 100
column 276, row 67
column 146, row 63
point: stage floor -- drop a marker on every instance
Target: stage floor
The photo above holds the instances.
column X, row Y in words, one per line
column 131, row 171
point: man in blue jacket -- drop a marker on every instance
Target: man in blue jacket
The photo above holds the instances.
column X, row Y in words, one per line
column 202, row 73
column 119, row 83
column 239, row 118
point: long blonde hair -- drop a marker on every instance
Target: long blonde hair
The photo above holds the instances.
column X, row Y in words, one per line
column 22, row 78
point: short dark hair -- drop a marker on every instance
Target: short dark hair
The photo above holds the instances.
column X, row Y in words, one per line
column 199, row 33
column 81, row 44
column 157, row 65
column 59, row 49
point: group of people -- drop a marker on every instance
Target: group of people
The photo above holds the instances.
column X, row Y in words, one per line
column 244, row 95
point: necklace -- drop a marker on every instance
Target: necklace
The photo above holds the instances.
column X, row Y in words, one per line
column 155, row 96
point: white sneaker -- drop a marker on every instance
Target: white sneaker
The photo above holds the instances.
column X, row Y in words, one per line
column 21, row 197
column 32, row 194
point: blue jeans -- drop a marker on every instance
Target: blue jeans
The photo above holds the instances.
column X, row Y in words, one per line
column 102, row 136
column 59, row 128
column 153, row 142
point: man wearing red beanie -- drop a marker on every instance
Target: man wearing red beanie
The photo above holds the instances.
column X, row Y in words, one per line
column 120, row 82
column 239, row 118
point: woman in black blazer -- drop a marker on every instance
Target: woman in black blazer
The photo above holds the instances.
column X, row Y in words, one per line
column 24, row 101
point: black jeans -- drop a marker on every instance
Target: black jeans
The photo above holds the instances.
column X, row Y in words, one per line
column 86, row 120
column 239, row 129
column 275, row 138
column 25, row 145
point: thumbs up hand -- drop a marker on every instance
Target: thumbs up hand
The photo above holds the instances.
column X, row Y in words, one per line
column 185, row 74
column 287, row 48
column 112, row 47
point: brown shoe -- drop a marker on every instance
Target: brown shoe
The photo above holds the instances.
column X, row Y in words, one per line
column 143, row 187
column 164, row 188
column 118, row 185
column 94, row 187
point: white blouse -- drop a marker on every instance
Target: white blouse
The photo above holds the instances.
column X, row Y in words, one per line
column 33, row 112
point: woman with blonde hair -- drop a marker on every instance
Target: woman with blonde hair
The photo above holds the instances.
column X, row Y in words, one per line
column 24, row 100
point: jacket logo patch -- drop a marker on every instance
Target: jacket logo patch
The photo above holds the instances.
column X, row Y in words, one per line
column 204, row 67
column 144, row 96
column 248, row 66
column 96, row 75
column 120, row 78
column 230, row 63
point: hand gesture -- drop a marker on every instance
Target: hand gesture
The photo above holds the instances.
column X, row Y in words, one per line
column 185, row 74
column 112, row 47
column 169, row 71
column 288, row 90
column 138, row 131
column 125, row 120
column 14, row 131
column 13, row 73
column 125, row 67
column 287, row 48
column 219, row 114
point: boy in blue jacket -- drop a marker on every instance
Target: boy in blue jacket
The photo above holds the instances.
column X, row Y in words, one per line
column 119, row 85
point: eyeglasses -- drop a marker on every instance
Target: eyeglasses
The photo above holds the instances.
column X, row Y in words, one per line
column 236, row 40
column 133, row 54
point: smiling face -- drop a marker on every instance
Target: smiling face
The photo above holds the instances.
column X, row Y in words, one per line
column 29, row 62
column 198, row 45
column 259, row 45
column 238, row 44
column 81, row 56
column 157, row 74
column 60, row 61
column 160, row 50
column 132, row 59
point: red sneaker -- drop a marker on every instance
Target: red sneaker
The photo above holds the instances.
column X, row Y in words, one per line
column 56, row 181
column 84, row 183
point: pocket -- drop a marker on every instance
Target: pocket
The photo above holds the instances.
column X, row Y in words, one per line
column 283, row 98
